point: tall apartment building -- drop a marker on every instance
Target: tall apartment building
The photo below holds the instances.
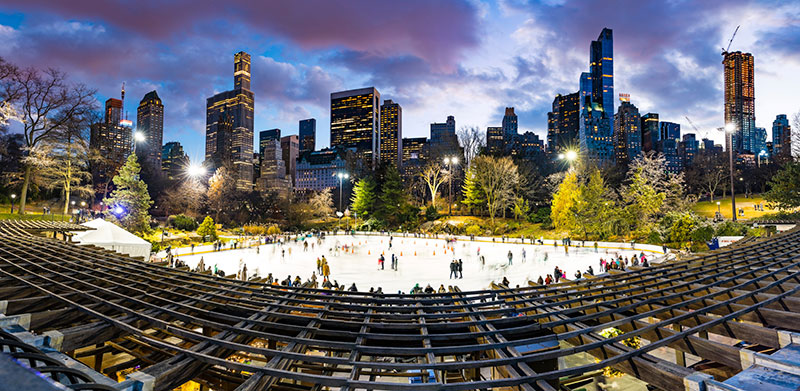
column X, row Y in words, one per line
column 356, row 122
column 391, row 133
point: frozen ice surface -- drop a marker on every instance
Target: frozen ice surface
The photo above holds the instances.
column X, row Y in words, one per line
column 423, row 261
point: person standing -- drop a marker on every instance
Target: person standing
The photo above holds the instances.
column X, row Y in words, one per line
column 326, row 270
column 460, row 268
column 453, row 269
column 381, row 260
column 523, row 255
column 510, row 258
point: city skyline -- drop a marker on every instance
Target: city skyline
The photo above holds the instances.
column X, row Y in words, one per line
column 504, row 55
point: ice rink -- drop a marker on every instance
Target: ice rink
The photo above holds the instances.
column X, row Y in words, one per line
column 423, row 261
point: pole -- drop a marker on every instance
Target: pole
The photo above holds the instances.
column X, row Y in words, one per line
column 450, row 198
column 340, row 192
column 733, row 195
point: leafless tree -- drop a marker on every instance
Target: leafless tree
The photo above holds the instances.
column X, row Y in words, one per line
column 43, row 102
column 497, row 177
column 433, row 175
column 322, row 203
column 221, row 188
column 795, row 139
column 472, row 139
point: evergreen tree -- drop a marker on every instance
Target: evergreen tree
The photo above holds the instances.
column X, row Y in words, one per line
column 363, row 201
column 393, row 197
column 784, row 192
column 207, row 228
column 130, row 201
column 473, row 195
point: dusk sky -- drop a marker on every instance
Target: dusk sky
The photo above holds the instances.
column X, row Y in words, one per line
column 436, row 58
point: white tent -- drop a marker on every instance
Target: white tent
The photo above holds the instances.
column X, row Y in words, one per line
column 111, row 237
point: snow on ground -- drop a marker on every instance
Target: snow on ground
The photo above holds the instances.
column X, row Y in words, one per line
column 423, row 261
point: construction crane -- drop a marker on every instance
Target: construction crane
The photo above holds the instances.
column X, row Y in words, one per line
column 725, row 50
column 699, row 133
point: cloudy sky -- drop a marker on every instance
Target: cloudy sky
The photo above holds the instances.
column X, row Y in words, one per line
column 467, row 58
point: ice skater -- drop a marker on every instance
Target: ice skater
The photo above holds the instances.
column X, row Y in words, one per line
column 510, row 258
column 453, row 269
column 523, row 255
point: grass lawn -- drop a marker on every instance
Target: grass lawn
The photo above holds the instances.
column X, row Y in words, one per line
column 707, row 209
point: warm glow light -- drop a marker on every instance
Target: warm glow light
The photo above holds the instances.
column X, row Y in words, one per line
column 196, row 170
column 138, row 136
column 730, row 127
column 13, row 196
column 571, row 155
column 560, row 156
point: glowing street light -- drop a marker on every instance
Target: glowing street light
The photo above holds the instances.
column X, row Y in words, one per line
column 13, row 197
column 138, row 137
column 571, row 155
column 195, row 170
column 450, row 161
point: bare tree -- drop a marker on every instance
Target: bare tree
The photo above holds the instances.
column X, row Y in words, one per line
column 708, row 172
column 44, row 102
column 186, row 198
column 433, row 175
column 68, row 168
column 221, row 189
column 472, row 139
column 322, row 203
column 497, row 177
column 795, row 135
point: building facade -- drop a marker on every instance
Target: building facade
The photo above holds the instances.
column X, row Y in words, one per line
column 150, row 123
column 229, row 126
column 308, row 134
column 290, row 147
column 444, row 141
column 562, row 123
column 596, row 125
column 494, row 140
column 391, row 133
column 317, row 170
column 669, row 140
column 173, row 160
column 272, row 176
column 781, row 136
column 414, row 158
column 650, row 132
column 627, row 135
column 739, row 95
column 112, row 140
column 356, row 123
column 688, row 149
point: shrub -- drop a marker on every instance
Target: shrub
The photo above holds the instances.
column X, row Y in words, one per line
column 474, row 229
column 730, row 228
column 703, row 234
column 255, row 229
column 182, row 222
column 207, row 230
column 273, row 230
column 431, row 213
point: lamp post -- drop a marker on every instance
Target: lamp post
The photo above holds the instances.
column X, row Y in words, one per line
column 570, row 156
column 718, row 210
column 342, row 176
column 729, row 128
column 13, row 197
column 450, row 161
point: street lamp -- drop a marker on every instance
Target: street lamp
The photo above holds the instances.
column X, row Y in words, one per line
column 718, row 211
column 570, row 156
column 195, row 170
column 13, row 197
column 137, row 137
column 760, row 154
column 729, row 128
column 342, row 176
column 450, row 161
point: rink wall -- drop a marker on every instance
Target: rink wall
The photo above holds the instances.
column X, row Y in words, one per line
column 651, row 248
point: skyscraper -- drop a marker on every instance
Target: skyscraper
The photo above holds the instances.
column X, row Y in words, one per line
column 111, row 140
column 781, row 136
column 601, row 68
column 444, row 141
column 562, row 123
column 391, row 133
column 740, row 99
column 356, row 122
column 414, row 155
column 308, row 134
column 510, row 124
column 759, row 141
column 273, row 177
column 596, row 125
column 627, row 135
column 290, row 147
column 494, row 140
column 150, row 123
column 266, row 136
column 173, row 160
column 650, row 132
column 669, row 139
column 229, row 126
column 688, row 149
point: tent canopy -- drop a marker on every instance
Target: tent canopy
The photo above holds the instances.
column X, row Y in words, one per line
column 111, row 237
